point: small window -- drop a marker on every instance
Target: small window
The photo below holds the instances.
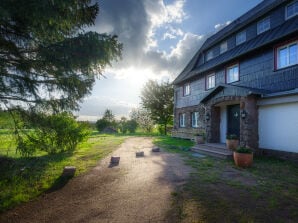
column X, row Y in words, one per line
column 263, row 25
column 223, row 47
column 210, row 81
column 291, row 9
column 195, row 119
column 186, row 89
column 241, row 37
column 232, row 74
column 209, row 55
column 287, row 55
column 182, row 120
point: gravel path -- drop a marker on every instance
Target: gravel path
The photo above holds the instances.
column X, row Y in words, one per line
column 137, row 190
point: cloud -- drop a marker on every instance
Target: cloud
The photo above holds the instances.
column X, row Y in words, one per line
column 220, row 26
column 95, row 106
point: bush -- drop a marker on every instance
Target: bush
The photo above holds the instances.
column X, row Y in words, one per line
column 244, row 150
column 51, row 133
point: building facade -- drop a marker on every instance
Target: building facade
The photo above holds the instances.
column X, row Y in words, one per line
column 244, row 81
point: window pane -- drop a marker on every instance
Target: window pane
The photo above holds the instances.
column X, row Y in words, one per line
column 223, row 47
column 232, row 74
column 282, row 60
column 290, row 10
column 293, row 54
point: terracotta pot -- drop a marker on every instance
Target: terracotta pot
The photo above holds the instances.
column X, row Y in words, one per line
column 199, row 139
column 232, row 144
column 243, row 159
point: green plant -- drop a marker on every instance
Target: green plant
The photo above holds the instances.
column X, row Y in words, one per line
column 244, row 150
column 232, row 136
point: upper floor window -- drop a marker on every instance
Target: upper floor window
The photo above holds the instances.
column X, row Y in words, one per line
column 263, row 25
column 223, row 47
column 287, row 55
column 195, row 119
column 210, row 81
column 186, row 89
column 232, row 74
column 291, row 9
column 209, row 55
column 241, row 37
column 182, row 120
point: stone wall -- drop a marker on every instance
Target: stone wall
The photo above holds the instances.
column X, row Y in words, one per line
column 188, row 131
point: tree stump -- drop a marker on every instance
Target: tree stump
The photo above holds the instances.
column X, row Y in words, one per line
column 69, row 171
column 140, row 154
column 115, row 159
column 156, row 149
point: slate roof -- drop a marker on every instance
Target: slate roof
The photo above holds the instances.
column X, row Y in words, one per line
column 287, row 28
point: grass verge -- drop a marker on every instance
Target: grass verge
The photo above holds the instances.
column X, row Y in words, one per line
column 217, row 191
column 22, row 179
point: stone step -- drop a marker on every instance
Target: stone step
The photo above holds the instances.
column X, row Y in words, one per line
column 207, row 149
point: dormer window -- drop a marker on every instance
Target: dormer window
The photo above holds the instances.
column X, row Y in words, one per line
column 209, row 55
column 292, row 9
column 223, row 47
column 263, row 25
column 186, row 89
column 240, row 37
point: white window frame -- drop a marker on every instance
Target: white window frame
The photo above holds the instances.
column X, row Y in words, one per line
column 263, row 25
column 212, row 81
column 240, row 40
column 287, row 47
column 182, row 120
column 186, row 89
column 230, row 80
column 286, row 10
column 195, row 119
column 223, row 49
column 209, row 55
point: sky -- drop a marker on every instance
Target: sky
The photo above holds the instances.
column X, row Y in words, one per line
column 159, row 38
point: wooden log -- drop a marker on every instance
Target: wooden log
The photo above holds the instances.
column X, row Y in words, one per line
column 139, row 154
column 156, row 149
column 115, row 159
column 69, row 171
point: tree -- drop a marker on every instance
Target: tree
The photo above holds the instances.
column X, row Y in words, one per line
column 142, row 117
column 47, row 60
column 108, row 120
column 158, row 99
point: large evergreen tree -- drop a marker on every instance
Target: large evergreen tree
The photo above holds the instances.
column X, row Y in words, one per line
column 47, row 60
column 158, row 99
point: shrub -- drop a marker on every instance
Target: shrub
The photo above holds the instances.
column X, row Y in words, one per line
column 232, row 136
column 51, row 133
column 244, row 150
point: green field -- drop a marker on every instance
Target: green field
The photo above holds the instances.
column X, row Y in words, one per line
column 22, row 179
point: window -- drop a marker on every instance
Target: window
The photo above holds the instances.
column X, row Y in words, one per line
column 232, row 74
column 292, row 9
column 195, row 119
column 186, row 89
column 209, row 55
column 223, row 47
column 287, row 55
column 263, row 25
column 182, row 120
column 241, row 37
column 210, row 81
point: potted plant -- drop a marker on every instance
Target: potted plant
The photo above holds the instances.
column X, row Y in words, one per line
column 243, row 157
column 232, row 141
column 199, row 138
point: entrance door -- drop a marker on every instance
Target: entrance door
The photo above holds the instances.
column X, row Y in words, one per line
column 234, row 119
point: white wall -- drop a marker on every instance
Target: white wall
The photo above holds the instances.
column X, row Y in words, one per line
column 278, row 127
column 223, row 124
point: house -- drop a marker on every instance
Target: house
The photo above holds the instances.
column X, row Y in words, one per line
column 244, row 81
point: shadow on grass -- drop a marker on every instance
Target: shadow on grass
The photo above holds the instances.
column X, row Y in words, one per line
column 59, row 183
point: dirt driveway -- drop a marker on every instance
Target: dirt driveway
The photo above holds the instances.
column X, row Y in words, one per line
column 137, row 190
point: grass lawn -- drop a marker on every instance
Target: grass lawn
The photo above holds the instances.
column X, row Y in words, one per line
column 22, row 179
column 217, row 191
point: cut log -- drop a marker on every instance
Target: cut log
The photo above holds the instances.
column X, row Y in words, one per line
column 69, row 171
column 139, row 154
column 115, row 159
column 156, row 149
